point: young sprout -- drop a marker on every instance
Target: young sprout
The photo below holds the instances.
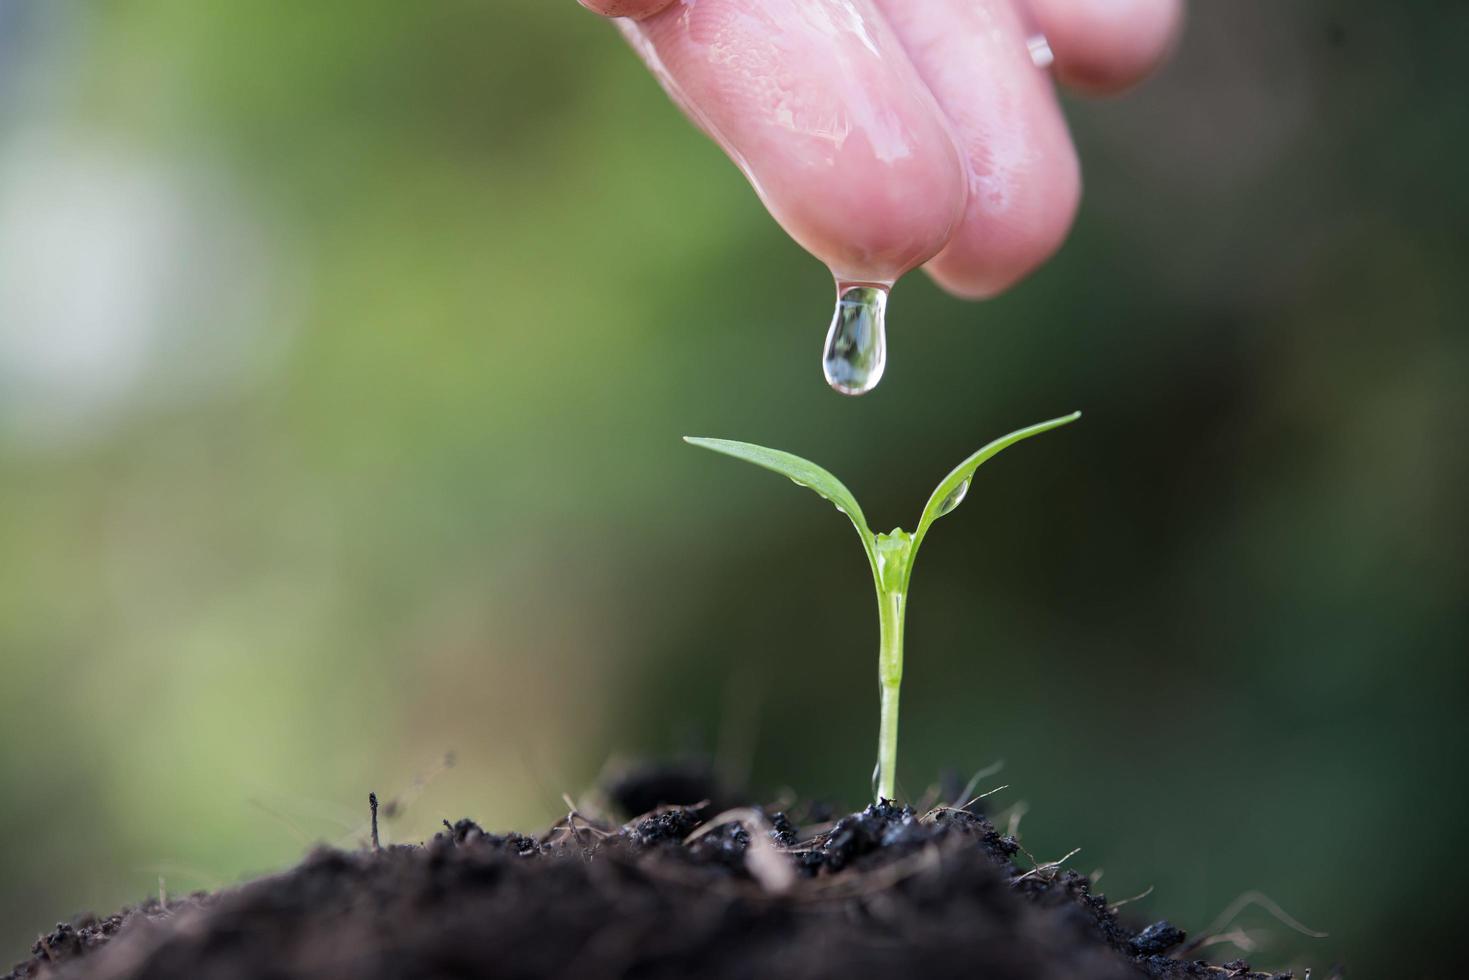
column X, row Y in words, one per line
column 890, row 555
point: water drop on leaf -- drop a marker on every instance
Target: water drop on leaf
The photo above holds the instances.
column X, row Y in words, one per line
column 954, row 499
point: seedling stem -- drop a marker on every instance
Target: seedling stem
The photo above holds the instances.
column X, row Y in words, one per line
column 891, row 557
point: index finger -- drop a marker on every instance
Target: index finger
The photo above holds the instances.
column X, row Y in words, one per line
column 820, row 106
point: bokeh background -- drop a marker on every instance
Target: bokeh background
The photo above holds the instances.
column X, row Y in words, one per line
column 344, row 352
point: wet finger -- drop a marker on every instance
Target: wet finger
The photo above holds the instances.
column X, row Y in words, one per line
column 818, row 104
column 1024, row 181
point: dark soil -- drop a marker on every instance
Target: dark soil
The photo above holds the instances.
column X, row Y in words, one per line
column 679, row 891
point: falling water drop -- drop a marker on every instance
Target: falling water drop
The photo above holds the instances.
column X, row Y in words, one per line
column 856, row 342
column 954, row 499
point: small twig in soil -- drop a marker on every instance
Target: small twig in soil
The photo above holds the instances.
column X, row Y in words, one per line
column 1048, row 866
column 975, row 780
column 372, row 802
column 1127, row 901
column 570, row 818
column 575, row 830
column 592, row 813
column 395, row 806
column 947, row 808
column 568, row 823
column 590, row 823
column 983, row 795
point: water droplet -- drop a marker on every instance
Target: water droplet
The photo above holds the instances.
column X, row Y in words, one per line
column 856, row 342
column 954, row 499
column 1041, row 54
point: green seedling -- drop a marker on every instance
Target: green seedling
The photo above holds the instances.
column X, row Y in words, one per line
column 890, row 555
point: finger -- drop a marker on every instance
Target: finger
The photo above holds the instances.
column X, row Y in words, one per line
column 1024, row 181
column 1104, row 46
column 818, row 104
column 636, row 9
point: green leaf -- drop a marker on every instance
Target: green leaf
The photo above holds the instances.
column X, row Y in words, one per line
column 800, row 471
column 951, row 491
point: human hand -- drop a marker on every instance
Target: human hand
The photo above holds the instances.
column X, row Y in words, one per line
column 887, row 134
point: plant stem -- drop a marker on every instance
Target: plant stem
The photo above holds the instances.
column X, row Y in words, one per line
column 891, row 607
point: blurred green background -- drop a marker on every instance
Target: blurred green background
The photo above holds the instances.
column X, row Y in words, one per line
column 344, row 352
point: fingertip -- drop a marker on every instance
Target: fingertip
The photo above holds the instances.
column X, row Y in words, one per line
column 636, row 9
column 1103, row 47
column 992, row 252
column 1023, row 175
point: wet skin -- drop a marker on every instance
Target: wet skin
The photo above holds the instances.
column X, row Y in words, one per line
column 885, row 135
